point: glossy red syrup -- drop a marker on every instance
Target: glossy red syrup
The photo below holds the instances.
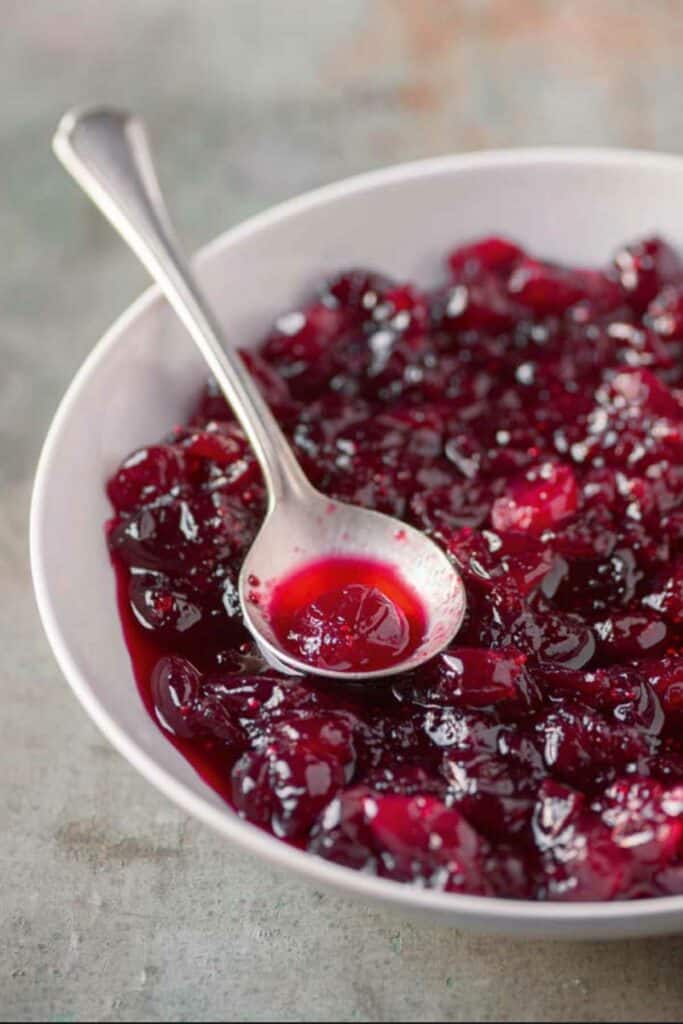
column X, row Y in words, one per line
column 347, row 615
column 529, row 418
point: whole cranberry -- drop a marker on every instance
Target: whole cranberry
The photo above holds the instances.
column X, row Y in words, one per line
column 645, row 819
column 175, row 689
column 494, row 254
column 665, row 313
column 476, row 677
column 147, row 474
column 580, row 861
column 643, row 268
column 543, row 497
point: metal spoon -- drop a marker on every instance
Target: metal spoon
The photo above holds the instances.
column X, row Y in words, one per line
column 107, row 153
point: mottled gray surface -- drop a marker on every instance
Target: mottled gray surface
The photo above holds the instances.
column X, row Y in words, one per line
column 114, row 905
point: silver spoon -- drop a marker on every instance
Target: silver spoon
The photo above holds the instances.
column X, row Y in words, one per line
column 107, row 153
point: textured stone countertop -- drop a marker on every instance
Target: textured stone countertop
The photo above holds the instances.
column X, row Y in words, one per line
column 114, row 905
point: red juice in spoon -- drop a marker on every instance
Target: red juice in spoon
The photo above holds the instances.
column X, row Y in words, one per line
column 347, row 614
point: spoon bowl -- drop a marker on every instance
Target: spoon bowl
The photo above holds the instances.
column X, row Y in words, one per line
column 108, row 154
column 296, row 533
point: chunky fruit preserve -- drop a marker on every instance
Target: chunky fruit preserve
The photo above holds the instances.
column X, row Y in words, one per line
column 347, row 615
column 528, row 417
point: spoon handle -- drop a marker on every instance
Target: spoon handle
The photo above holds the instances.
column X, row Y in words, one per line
column 108, row 154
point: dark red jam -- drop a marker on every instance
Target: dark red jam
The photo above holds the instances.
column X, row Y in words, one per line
column 347, row 615
column 529, row 418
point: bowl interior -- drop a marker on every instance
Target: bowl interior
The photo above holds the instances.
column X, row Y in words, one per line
column 143, row 377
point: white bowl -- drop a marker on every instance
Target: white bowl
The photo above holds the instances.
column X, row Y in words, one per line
column 142, row 377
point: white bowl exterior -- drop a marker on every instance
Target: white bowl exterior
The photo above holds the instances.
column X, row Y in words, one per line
column 142, row 378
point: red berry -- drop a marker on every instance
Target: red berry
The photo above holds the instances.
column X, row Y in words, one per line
column 544, row 288
column 580, row 861
column 665, row 313
column 544, row 497
column 493, row 254
column 644, row 268
column 476, row 677
column 147, row 474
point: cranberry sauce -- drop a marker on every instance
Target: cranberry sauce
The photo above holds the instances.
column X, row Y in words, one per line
column 347, row 615
column 529, row 418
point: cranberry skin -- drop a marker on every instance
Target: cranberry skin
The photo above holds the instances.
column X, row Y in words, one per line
column 579, row 859
column 404, row 779
column 146, row 475
column 182, row 535
column 544, row 288
column 637, row 346
column 161, row 607
column 443, row 510
column 632, row 392
column 299, row 347
column 342, row 832
column 258, row 701
column 666, row 767
column 402, row 310
column 463, row 732
column 358, row 291
column 482, row 305
column 213, row 721
column 643, row 268
column 475, row 677
column 371, row 483
column 549, row 637
column 667, row 599
column 511, row 564
column 288, row 780
column 593, row 585
column 669, row 881
column 212, row 405
column 666, row 676
column 399, row 740
column 591, row 534
column 629, row 635
column 189, row 709
column 420, row 839
column 512, row 872
column 665, row 314
column 175, row 684
column 582, row 748
column 218, row 456
column 645, row 819
column 355, row 628
column 602, row 689
column 494, row 254
column 545, row 496
column 495, row 793
column 407, row 838
column 220, row 443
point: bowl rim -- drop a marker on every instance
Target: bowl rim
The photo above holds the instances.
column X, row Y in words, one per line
column 496, row 912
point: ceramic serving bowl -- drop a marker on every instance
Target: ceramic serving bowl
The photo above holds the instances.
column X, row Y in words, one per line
column 142, row 377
